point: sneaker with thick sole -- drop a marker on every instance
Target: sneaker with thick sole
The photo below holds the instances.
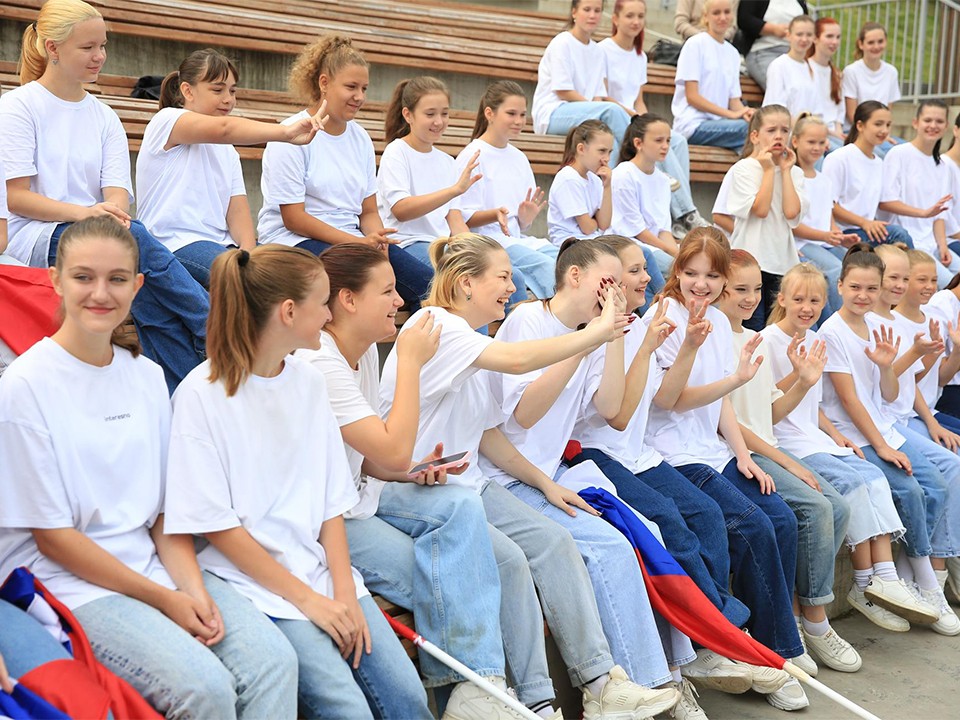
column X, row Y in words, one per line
column 694, row 219
column 790, row 697
column 874, row 613
column 947, row 624
column 715, row 672
column 687, row 708
column 766, row 680
column 895, row 596
column 833, row 651
column 953, row 577
column 621, row 699
column 470, row 702
column 804, row 662
column 679, row 230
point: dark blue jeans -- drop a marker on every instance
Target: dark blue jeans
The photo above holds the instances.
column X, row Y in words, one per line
column 197, row 257
column 691, row 524
column 170, row 311
column 762, row 534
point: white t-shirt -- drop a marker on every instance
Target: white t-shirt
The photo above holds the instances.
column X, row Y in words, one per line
column 354, row 395
column 915, row 179
column 626, row 447
column 185, row 191
column 571, row 195
column 715, row 66
column 4, row 212
column 692, row 436
column 640, row 201
column 954, row 212
column 845, row 354
column 83, row 447
column 626, row 72
column 862, row 84
column 567, row 64
column 69, row 150
column 902, row 407
column 768, row 239
column 331, row 176
column 857, row 180
column 799, row 432
column 780, row 12
column 720, row 204
column 833, row 113
column 455, row 403
column 819, row 210
column 928, row 386
column 405, row 172
column 753, row 401
column 947, row 305
column 791, row 84
column 269, row 459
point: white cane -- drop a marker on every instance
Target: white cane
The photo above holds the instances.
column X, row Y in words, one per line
column 803, row 677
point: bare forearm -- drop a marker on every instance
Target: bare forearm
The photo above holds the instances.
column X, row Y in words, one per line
column 333, row 538
column 540, row 395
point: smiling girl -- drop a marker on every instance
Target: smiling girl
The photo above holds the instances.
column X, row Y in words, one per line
column 870, row 77
column 790, row 79
column 827, row 78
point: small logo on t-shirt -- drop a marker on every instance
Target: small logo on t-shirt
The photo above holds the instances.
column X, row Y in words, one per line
column 111, row 418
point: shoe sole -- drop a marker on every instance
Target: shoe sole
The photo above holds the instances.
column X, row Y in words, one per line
column 945, row 633
column 910, row 614
column 783, row 706
column 835, row 665
column 876, row 622
column 762, row 689
column 730, row 684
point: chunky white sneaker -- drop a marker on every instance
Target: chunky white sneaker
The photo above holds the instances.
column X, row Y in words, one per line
column 688, row 708
column 790, row 697
column 874, row 613
column 896, row 597
column 716, row 672
column 953, row 577
column 621, row 698
column 765, row 679
column 694, row 219
column 948, row 623
column 833, row 651
column 470, row 702
column 804, row 661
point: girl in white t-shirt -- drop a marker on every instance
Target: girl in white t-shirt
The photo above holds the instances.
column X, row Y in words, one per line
column 192, row 196
column 922, row 208
column 707, row 106
column 325, row 193
column 827, row 78
column 797, row 361
column 767, row 201
column 570, row 79
column 581, row 203
column 860, row 368
column 951, row 159
column 946, row 303
column 4, row 213
column 790, row 79
column 81, row 503
column 271, row 507
column 506, row 200
column 870, row 77
column 66, row 158
column 471, row 286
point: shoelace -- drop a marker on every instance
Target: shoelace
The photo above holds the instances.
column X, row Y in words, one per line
column 835, row 642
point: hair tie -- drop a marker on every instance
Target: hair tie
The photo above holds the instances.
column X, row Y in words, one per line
column 243, row 257
column 34, row 25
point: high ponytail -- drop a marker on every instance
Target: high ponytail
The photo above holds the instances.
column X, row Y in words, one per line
column 55, row 22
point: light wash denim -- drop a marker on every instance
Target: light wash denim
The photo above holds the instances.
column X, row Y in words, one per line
column 829, row 264
column 570, row 114
column 945, row 539
column 895, row 234
column 883, row 148
column 920, row 497
column 428, row 550
column 691, row 525
column 538, row 268
column 757, row 62
column 822, row 519
column 762, row 535
column 24, row 643
column 251, row 673
column 386, row 684
column 198, row 256
column 170, row 310
column 677, row 165
column 864, row 487
column 724, row 133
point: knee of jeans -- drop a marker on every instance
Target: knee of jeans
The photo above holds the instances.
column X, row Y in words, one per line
column 210, row 689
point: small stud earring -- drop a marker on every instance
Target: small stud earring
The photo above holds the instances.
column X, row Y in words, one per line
column 56, row 62
column 469, row 297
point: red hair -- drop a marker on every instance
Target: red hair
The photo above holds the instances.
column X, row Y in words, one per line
column 707, row 240
column 835, row 77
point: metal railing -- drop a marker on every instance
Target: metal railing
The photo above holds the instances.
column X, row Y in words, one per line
column 923, row 40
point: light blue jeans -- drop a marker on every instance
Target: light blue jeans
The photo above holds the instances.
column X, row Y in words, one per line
column 197, row 257
column 677, row 165
column 386, row 684
column 724, row 133
column 251, row 673
column 24, row 643
column 822, row 519
column 757, row 62
column 537, row 267
column 829, row 264
column 570, row 114
column 428, row 550
column 945, row 538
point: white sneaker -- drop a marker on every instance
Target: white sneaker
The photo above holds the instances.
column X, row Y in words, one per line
column 470, row 702
column 716, row 672
column 953, row 577
column 674, row 183
column 790, row 697
column 694, row 219
column 833, row 651
column 679, row 230
column 874, row 613
column 766, row 680
column 948, row 623
column 621, row 698
column 804, row 661
column 688, row 708
column 896, row 597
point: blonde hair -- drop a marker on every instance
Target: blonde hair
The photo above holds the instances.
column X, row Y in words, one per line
column 55, row 22
column 707, row 4
column 919, row 257
column 806, row 273
column 463, row 255
column 326, row 56
column 888, row 250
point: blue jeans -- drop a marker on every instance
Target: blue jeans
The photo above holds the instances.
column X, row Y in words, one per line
column 945, row 539
column 757, row 62
column 428, row 550
column 950, row 422
column 691, row 524
column 762, row 535
column 170, row 310
column 570, row 114
column 822, row 519
column 920, row 498
column 386, row 684
column 657, row 281
column 724, row 133
column 537, row 268
column 883, row 148
column 829, row 264
column 197, row 257
column 413, row 276
column 677, row 165
column 24, row 643
column 251, row 673
column 895, row 234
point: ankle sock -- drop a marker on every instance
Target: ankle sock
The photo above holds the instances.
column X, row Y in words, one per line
column 942, row 576
column 675, row 675
column 543, row 709
column 923, row 573
column 886, row 571
column 596, row 685
column 817, row 629
column 904, row 567
column 862, row 578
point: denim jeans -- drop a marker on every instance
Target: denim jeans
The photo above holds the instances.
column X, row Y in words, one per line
column 883, row 148
column 197, row 257
column 677, row 165
column 251, row 673
column 822, row 519
column 386, row 684
column 757, row 62
column 691, row 524
column 428, row 550
column 724, row 133
column 872, row 512
column 762, row 535
column 170, row 310
column 829, row 264
column 895, row 234
column 24, row 643
column 920, row 498
column 413, row 275
column 657, row 281
column 949, row 401
column 945, row 539
column 950, row 422
column 570, row 114
column 538, row 268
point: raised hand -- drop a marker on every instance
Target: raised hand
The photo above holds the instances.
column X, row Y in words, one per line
column 604, row 173
column 938, row 207
column 503, row 218
column 420, row 341
column 379, row 239
column 786, row 160
column 304, row 130
column 885, row 349
column 531, row 206
column 467, row 178
column 745, row 368
column 659, row 329
column 698, row 327
column 611, row 291
column 812, row 363
column 925, row 344
column 766, row 160
column 953, row 334
column 793, row 351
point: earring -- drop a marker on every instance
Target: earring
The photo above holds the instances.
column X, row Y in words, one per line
column 56, row 61
column 469, row 297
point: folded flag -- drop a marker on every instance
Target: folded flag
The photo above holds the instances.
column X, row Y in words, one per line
column 28, row 306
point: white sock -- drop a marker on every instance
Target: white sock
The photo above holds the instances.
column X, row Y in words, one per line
column 942, row 576
column 596, row 686
column 675, row 675
column 862, row 578
column 923, row 573
column 886, row 570
column 544, row 709
column 818, row 629
column 904, row 568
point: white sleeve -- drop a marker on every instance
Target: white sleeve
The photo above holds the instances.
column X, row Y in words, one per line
column 895, row 93
column 18, row 139
column 893, row 168
column 284, row 174
column 835, row 170
column 689, row 63
column 393, row 179
column 115, row 170
column 776, row 92
column 626, row 206
column 237, row 186
column 346, row 399
column 837, row 355
column 642, row 75
column 848, row 83
column 799, row 184
column 570, row 199
column 340, row 492
column 720, row 204
column 744, row 185
column 561, row 66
